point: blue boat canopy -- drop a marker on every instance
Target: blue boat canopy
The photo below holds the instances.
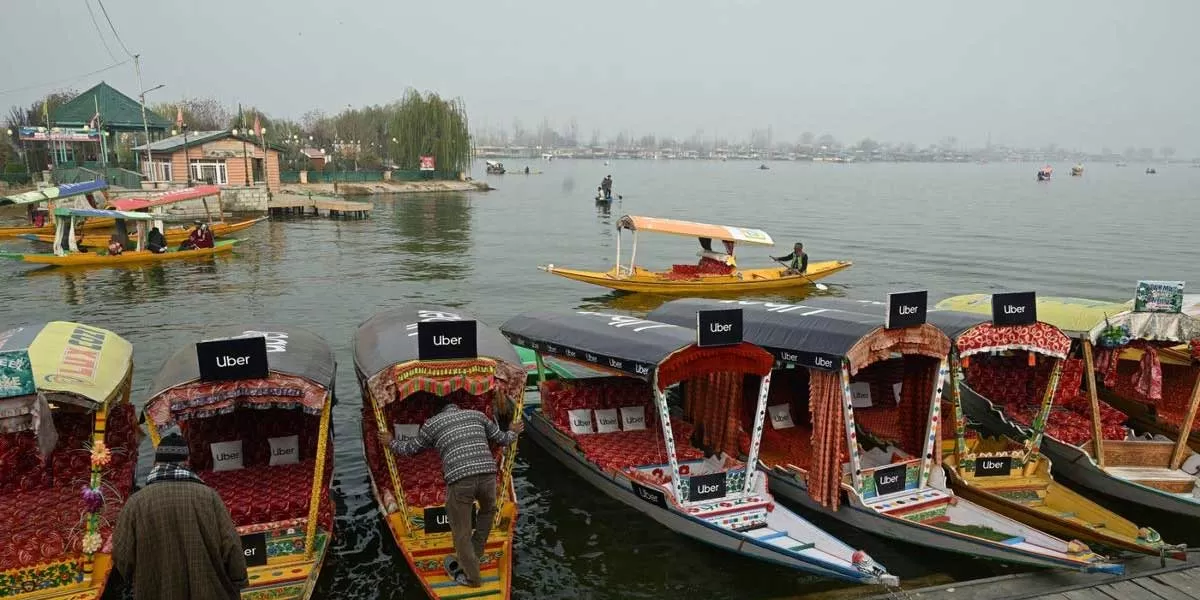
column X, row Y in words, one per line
column 65, row 190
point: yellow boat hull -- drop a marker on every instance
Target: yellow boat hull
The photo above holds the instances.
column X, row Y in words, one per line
column 745, row 280
column 90, row 588
column 174, row 235
column 290, row 576
column 104, row 260
column 89, row 225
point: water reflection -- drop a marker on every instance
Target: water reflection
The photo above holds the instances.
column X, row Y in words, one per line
column 434, row 235
column 641, row 303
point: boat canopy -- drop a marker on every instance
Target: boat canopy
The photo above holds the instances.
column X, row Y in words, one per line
column 813, row 337
column 739, row 235
column 641, row 348
column 69, row 362
column 65, row 190
column 972, row 333
column 1088, row 319
column 114, row 214
column 164, row 198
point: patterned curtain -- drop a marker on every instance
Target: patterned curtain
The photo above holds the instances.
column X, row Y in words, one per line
column 712, row 402
column 915, row 396
column 829, row 438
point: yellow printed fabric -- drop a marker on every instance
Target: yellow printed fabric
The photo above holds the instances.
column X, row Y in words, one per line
column 1073, row 316
column 80, row 359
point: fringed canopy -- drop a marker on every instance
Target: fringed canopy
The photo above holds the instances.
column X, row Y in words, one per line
column 1036, row 337
column 925, row 340
column 201, row 400
column 694, row 361
column 442, row 378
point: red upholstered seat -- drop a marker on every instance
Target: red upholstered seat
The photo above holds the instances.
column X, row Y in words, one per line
column 883, row 422
column 620, row 449
column 792, row 445
column 266, row 494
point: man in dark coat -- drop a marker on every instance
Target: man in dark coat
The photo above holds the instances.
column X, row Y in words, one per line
column 174, row 538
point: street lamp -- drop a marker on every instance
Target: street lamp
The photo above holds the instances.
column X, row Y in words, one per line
column 146, row 127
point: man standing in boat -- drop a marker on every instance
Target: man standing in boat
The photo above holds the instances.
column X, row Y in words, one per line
column 461, row 438
column 797, row 261
column 174, row 538
column 606, row 187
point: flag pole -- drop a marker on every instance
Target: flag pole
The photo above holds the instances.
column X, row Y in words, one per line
column 100, row 133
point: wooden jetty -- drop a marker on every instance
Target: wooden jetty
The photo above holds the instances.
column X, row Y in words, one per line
column 1145, row 578
column 334, row 208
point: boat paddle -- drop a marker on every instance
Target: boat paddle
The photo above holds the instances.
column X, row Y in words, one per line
column 819, row 286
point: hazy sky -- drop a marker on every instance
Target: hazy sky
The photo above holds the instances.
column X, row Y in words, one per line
column 1081, row 74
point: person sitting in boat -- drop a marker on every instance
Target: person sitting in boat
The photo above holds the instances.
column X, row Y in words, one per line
column 797, row 260
column 716, row 262
column 461, row 437
column 155, row 241
column 114, row 246
column 606, row 187
column 206, row 237
column 526, row 170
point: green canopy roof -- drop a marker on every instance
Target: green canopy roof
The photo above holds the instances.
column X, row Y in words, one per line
column 117, row 111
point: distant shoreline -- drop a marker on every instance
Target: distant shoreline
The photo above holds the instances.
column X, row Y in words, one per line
column 382, row 187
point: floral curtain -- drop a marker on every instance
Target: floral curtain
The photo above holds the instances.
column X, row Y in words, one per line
column 915, row 396
column 828, row 438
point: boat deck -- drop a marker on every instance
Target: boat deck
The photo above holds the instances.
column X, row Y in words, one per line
column 288, row 204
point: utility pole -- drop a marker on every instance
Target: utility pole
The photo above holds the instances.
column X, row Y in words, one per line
column 137, row 67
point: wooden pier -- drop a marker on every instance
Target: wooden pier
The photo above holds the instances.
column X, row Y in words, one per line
column 1145, row 578
column 301, row 206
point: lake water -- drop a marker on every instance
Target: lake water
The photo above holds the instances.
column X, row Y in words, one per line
column 951, row 229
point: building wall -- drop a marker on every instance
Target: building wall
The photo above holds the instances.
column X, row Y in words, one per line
column 231, row 151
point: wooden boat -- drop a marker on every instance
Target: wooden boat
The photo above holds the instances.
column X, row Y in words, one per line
column 1077, row 170
column 709, row 276
column 174, row 234
column 272, row 415
column 1111, row 454
column 400, row 383
column 651, row 459
column 41, row 204
column 73, row 255
column 66, row 384
column 893, row 487
column 1019, row 484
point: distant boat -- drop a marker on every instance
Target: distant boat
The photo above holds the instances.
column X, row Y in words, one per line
column 1077, row 170
column 1121, row 163
column 763, row 167
column 1151, row 171
column 1045, row 173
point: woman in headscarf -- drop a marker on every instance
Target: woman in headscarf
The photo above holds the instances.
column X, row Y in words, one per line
column 155, row 242
column 114, row 246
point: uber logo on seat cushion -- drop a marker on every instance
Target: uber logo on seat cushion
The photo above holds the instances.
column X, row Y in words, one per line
column 442, row 340
column 254, row 548
column 1017, row 308
column 285, row 450
column 227, row 456
column 235, row 358
column 718, row 327
column 706, row 487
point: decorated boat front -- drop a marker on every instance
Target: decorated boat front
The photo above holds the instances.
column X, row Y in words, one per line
column 403, row 371
column 871, row 385
column 68, row 452
column 258, row 432
column 662, row 430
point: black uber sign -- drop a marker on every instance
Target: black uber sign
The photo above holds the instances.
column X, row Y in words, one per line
column 993, row 467
column 234, row 358
column 718, row 327
column 441, row 340
column 890, row 480
column 437, row 521
column 254, row 548
column 1016, row 308
column 653, row 496
column 706, row 487
column 906, row 309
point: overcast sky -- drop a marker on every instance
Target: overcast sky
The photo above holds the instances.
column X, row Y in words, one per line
column 1080, row 74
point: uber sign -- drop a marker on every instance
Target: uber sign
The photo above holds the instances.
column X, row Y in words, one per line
column 718, row 327
column 993, row 467
column 441, row 340
column 906, row 309
column 653, row 496
column 706, row 487
column 890, row 480
column 254, row 548
column 1017, row 308
column 234, row 358
column 437, row 521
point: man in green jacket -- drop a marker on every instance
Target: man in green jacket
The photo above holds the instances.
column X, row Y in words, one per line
column 797, row 261
column 174, row 538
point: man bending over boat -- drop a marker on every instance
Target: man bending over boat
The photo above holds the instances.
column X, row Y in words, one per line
column 797, row 261
column 461, row 438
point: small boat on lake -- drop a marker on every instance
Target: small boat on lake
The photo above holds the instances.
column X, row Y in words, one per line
column 259, row 434
column 494, row 167
column 716, row 271
column 1045, row 173
column 1119, row 440
column 660, row 432
column 870, row 385
column 40, row 205
column 68, row 252
column 68, row 453
column 1077, row 170
column 402, row 378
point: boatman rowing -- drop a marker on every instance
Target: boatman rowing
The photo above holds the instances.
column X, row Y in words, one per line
column 798, row 264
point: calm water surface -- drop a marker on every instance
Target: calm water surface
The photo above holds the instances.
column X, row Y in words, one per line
column 948, row 228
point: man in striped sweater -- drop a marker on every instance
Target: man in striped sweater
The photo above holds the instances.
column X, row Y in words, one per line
column 461, row 438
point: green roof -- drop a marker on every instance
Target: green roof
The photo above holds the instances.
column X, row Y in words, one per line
column 117, row 111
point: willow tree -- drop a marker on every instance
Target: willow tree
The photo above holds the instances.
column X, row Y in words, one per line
column 428, row 125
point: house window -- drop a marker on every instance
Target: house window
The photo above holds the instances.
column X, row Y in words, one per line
column 161, row 168
column 210, row 171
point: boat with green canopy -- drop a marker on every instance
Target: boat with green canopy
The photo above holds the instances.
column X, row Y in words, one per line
column 40, row 205
column 1129, row 399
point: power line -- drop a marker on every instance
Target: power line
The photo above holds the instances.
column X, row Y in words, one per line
column 97, row 26
column 66, row 80
column 114, row 29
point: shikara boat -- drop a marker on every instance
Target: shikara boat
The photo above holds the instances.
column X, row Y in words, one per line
column 68, row 453
column 874, row 468
column 715, row 273
column 401, row 382
column 1010, row 477
column 648, row 455
column 41, row 204
column 71, row 253
column 1098, row 446
column 175, row 234
column 258, row 433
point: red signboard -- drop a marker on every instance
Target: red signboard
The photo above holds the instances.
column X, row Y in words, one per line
column 427, row 163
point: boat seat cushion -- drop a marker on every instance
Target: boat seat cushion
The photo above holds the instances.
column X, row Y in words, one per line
column 255, row 427
column 266, row 494
column 621, row 449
